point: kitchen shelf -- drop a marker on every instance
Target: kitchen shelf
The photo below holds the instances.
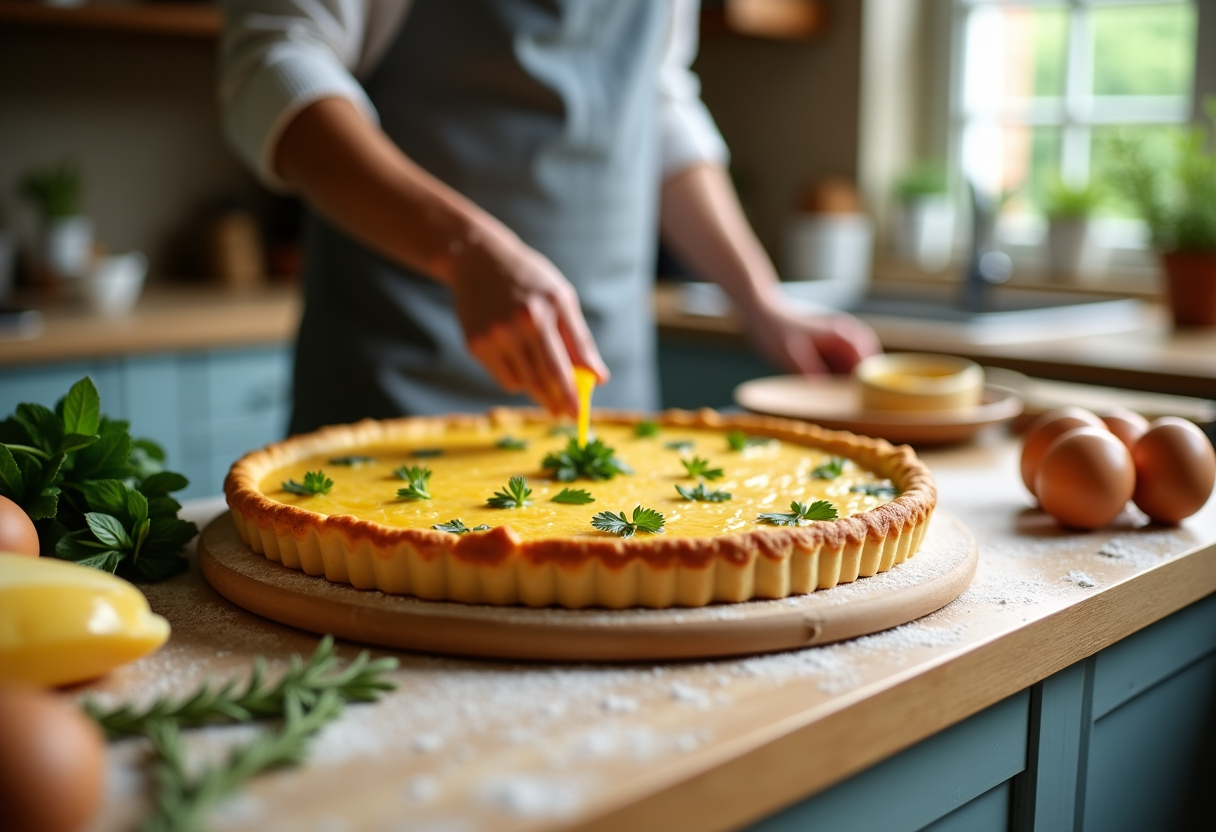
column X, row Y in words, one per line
column 189, row 20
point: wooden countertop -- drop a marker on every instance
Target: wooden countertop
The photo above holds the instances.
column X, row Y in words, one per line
column 705, row 745
column 167, row 318
column 1156, row 358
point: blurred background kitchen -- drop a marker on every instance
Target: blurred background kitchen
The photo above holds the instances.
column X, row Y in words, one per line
column 963, row 174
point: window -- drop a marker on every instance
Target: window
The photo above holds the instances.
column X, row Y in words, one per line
column 1040, row 87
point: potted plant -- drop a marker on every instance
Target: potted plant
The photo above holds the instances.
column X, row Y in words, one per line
column 925, row 229
column 1178, row 204
column 1072, row 251
column 66, row 243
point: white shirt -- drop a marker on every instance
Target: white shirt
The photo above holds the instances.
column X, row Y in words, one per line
column 279, row 56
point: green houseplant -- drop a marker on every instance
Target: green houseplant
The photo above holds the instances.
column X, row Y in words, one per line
column 1072, row 252
column 1178, row 204
column 66, row 244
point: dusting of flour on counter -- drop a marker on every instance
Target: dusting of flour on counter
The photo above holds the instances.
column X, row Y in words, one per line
column 1079, row 578
column 533, row 796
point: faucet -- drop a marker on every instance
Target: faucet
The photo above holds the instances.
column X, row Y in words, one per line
column 987, row 264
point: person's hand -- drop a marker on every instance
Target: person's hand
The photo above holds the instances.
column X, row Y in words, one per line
column 811, row 342
column 522, row 321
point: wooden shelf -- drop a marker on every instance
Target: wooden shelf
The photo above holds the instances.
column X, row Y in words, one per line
column 190, row 20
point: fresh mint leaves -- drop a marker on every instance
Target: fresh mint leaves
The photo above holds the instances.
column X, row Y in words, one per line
column 96, row 495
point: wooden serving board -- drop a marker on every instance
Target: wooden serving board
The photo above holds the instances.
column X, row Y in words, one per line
column 938, row 574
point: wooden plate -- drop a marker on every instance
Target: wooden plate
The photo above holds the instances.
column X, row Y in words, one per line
column 933, row 578
column 834, row 402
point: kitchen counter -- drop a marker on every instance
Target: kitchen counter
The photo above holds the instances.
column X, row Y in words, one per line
column 704, row 745
column 167, row 319
column 1155, row 358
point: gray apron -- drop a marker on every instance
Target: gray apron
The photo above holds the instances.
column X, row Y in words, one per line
column 544, row 114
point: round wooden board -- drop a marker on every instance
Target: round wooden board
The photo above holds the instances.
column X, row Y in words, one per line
column 938, row 574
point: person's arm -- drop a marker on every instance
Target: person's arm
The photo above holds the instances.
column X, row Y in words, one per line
column 702, row 221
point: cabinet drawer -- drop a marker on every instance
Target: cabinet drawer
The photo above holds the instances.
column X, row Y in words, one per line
column 236, row 386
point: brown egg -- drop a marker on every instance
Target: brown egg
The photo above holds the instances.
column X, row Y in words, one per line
column 1044, row 430
column 52, row 762
column 1175, row 470
column 1085, row 478
column 1126, row 424
column 17, row 533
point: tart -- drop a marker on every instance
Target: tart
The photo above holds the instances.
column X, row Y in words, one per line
column 423, row 506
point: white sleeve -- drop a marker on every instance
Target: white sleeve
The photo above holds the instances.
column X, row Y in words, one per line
column 276, row 58
column 688, row 132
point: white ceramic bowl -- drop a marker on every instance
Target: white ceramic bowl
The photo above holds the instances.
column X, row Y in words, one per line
column 919, row 381
column 114, row 284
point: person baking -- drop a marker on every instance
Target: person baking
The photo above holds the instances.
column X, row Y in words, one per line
column 485, row 198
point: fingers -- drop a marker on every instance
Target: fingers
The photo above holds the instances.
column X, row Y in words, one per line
column 526, row 353
column 577, row 339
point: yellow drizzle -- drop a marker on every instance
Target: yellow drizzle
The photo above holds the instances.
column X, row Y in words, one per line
column 584, row 383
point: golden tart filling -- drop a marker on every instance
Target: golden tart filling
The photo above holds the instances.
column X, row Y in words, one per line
column 682, row 510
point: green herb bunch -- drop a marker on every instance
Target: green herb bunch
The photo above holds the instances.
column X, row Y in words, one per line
column 1177, row 202
column 96, row 495
column 593, row 461
column 1072, row 202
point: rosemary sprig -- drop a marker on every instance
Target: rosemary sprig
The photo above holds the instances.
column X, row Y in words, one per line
column 515, row 495
column 457, row 526
column 701, row 494
column 361, row 680
column 593, row 461
column 829, row 470
column 418, row 479
column 646, row 430
column 315, row 482
column 699, row 467
column 799, row 512
column 644, row 520
column 510, row 443
column 183, row 801
column 573, row 497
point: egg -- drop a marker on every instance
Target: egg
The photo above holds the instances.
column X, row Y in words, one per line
column 52, row 762
column 1085, row 478
column 17, row 532
column 1126, row 424
column 1044, row 430
column 1175, row 470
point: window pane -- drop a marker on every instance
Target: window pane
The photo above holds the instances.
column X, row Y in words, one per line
column 1144, row 50
column 1159, row 143
column 1032, row 161
column 1014, row 54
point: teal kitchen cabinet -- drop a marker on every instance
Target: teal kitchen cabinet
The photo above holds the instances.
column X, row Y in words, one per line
column 206, row 408
column 1124, row 741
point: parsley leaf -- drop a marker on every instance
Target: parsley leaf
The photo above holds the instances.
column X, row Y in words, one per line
column 738, row 440
column 352, row 460
column 418, row 479
column 702, row 495
column 876, row 490
column 457, row 526
column 570, row 431
column 573, row 497
column 699, row 467
column 315, row 482
column 829, row 470
column 818, row 510
column 646, row 430
column 593, row 461
column 644, row 520
column 680, row 445
column 425, row 453
column 515, row 495
column 510, row 443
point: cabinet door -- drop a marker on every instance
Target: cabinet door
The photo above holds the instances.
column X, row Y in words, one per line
column 47, row 384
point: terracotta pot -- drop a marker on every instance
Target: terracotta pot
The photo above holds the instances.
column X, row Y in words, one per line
column 1191, row 286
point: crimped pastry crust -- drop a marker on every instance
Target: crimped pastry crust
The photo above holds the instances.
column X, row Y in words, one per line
column 500, row 567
